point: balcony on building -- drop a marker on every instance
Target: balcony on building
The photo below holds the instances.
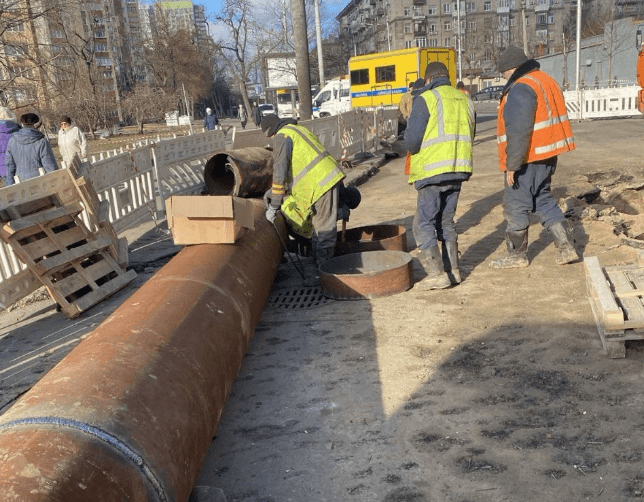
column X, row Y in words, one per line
column 420, row 29
column 420, row 2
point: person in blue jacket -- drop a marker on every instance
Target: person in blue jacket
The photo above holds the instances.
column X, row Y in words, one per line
column 8, row 125
column 27, row 151
column 210, row 121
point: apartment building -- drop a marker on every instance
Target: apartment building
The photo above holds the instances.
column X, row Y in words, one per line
column 479, row 29
column 181, row 15
column 53, row 49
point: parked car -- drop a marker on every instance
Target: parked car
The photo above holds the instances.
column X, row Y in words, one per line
column 267, row 109
column 492, row 92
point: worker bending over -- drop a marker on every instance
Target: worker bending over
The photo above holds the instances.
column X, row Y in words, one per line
column 306, row 181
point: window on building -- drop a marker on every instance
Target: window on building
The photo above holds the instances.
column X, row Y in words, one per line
column 433, row 42
column 360, row 77
column 15, row 51
column 470, row 7
column 431, row 28
column 131, row 9
column 432, row 10
column 527, row 21
column 447, row 26
column 489, row 55
column 409, row 44
column 407, row 12
column 487, row 6
column 421, row 42
column 385, row 73
column 551, row 19
column 99, row 34
column 472, row 56
column 463, row 25
column 541, row 19
column 489, row 39
column 106, row 74
column 512, row 22
column 446, row 8
column 504, row 3
column 16, row 27
column 418, row 11
column 57, row 34
column 104, row 62
column 134, row 29
column 448, row 42
column 408, row 28
column 471, row 25
column 100, row 47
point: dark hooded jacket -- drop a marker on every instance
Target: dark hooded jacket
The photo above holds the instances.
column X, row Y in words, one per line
column 27, row 151
column 7, row 128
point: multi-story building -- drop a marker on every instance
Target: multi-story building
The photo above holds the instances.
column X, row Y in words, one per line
column 181, row 15
column 478, row 29
column 80, row 44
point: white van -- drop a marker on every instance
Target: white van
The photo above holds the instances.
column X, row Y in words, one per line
column 334, row 98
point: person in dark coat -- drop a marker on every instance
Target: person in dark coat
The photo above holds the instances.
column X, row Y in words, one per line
column 27, row 151
column 256, row 114
column 210, row 121
column 8, row 125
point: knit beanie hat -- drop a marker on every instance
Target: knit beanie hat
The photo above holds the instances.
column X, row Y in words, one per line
column 436, row 69
column 269, row 124
column 29, row 119
column 419, row 84
column 66, row 119
column 511, row 58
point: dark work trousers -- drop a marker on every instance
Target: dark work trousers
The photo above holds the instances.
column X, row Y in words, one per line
column 434, row 219
column 325, row 221
column 531, row 193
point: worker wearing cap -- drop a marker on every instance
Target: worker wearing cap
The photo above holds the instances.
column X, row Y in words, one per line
column 306, row 181
column 532, row 130
column 439, row 138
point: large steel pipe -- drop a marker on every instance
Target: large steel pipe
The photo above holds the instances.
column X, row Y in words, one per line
column 129, row 414
column 247, row 172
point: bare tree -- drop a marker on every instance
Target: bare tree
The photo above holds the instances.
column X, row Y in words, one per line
column 147, row 104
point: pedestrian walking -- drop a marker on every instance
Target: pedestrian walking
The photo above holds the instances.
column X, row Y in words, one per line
column 532, row 130
column 210, row 121
column 461, row 87
column 256, row 114
column 242, row 116
column 28, row 150
column 439, row 139
column 71, row 142
column 8, row 125
column 306, row 181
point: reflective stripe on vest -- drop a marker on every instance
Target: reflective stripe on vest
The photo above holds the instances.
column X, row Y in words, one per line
column 551, row 133
column 314, row 172
column 447, row 141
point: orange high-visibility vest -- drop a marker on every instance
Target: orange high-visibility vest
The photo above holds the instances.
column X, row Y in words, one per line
column 552, row 134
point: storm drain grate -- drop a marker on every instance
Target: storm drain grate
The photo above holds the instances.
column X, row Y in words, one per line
column 298, row 298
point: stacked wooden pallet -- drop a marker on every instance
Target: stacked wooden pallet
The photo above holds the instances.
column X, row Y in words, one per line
column 78, row 257
column 616, row 298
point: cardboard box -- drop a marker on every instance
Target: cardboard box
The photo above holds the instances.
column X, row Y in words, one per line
column 204, row 219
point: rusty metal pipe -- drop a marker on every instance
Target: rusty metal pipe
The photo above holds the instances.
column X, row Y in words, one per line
column 130, row 413
column 247, row 172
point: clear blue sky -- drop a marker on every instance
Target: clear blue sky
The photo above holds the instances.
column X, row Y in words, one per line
column 214, row 6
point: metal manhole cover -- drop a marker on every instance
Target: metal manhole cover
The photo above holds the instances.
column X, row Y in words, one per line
column 298, row 298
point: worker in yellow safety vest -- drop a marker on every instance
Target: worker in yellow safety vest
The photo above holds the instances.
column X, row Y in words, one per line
column 532, row 130
column 306, row 182
column 439, row 136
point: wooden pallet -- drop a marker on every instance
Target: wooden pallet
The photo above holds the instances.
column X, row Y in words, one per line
column 80, row 267
column 616, row 298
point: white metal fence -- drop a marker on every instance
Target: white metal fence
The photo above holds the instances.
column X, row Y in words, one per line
column 602, row 103
column 136, row 180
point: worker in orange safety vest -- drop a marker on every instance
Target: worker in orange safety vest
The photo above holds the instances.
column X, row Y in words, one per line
column 532, row 130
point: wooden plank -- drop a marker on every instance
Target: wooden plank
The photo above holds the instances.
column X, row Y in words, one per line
column 107, row 289
column 64, row 239
column 632, row 307
column 610, row 314
column 17, row 287
column 34, row 220
column 613, row 348
column 49, row 265
column 76, row 281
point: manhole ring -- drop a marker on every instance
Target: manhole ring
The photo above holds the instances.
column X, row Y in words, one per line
column 298, row 298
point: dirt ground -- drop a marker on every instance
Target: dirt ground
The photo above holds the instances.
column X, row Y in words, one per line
column 494, row 390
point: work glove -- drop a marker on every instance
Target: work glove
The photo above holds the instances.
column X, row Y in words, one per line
column 271, row 212
column 270, row 198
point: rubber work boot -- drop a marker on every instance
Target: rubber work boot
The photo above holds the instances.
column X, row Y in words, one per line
column 320, row 255
column 565, row 243
column 517, row 257
column 450, row 260
column 432, row 261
